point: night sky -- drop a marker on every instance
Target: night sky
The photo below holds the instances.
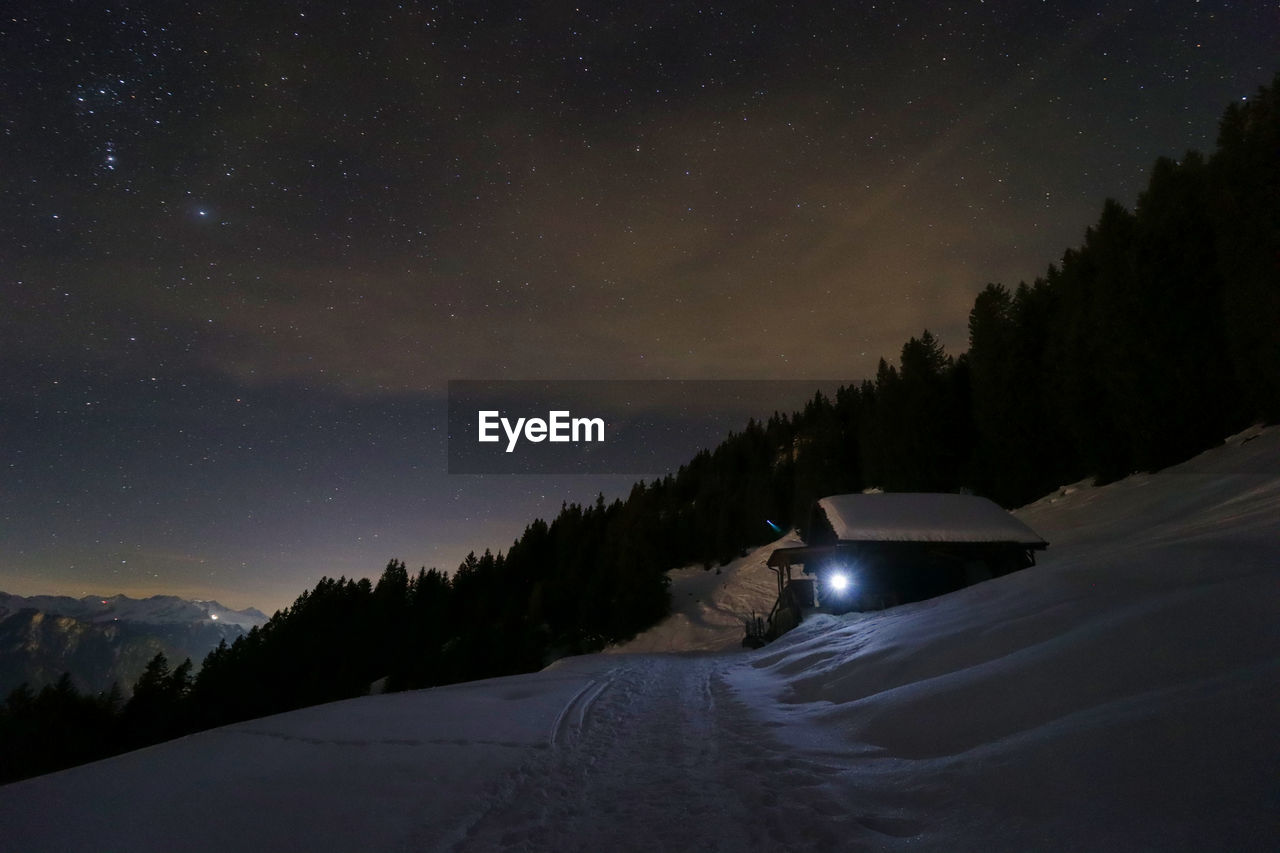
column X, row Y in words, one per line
column 243, row 248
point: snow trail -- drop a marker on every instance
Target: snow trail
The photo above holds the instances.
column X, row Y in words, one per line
column 663, row 743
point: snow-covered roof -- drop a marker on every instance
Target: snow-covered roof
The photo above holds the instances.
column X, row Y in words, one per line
column 923, row 517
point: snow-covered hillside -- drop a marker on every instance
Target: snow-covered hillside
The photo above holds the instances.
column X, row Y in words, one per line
column 155, row 610
column 709, row 606
column 1120, row 696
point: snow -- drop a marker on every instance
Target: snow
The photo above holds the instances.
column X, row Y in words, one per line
column 1120, row 695
column 922, row 517
column 156, row 610
column 709, row 606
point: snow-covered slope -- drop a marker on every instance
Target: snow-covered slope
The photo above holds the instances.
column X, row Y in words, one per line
column 709, row 606
column 156, row 610
column 1120, row 696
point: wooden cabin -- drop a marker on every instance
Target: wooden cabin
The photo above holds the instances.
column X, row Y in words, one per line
column 871, row 551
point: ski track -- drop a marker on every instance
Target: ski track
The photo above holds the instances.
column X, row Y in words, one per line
column 569, row 722
column 663, row 742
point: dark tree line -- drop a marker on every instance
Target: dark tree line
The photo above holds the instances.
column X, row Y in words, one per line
column 1150, row 342
column 59, row 726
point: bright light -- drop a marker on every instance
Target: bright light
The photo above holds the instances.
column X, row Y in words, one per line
column 838, row 581
column 213, row 615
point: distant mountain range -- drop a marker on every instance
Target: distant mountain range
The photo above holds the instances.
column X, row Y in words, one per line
column 105, row 640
